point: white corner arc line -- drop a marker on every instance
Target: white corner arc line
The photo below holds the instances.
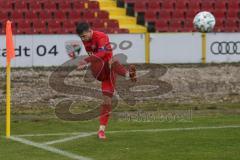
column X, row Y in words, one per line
column 49, row 148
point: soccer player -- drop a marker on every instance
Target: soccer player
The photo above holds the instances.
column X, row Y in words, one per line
column 103, row 67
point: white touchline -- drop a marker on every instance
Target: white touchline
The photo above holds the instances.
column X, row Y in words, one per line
column 145, row 130
column 175, row 129
column 49, row 148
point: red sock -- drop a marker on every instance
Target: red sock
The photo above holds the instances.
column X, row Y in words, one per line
column 105, row 113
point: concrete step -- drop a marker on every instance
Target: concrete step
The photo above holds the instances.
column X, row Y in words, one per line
column 134, row 28
column 124, row 19
column 115, row 11
column 107, row 3
column 120, row 15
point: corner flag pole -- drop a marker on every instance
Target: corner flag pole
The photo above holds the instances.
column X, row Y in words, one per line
column 10, row 55
column 8, row 101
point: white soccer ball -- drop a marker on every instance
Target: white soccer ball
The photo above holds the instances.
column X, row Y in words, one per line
column 204, row 21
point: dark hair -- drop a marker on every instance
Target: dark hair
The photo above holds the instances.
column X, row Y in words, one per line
column 82, row 27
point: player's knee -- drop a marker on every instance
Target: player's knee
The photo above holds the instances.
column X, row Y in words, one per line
column 107, row 100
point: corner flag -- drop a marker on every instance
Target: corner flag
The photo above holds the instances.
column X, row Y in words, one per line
column 10, row 55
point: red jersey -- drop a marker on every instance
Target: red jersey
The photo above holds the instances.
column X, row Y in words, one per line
column 100, row 52
column 99, row 46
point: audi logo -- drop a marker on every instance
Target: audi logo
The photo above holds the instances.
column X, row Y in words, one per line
column 225, row 47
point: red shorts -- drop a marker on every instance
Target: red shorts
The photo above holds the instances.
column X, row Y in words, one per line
column 102, row 72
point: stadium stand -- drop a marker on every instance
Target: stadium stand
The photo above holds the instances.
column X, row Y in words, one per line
column 177, row 15
column 55, row 17
column 156, row 15
column 120, row 14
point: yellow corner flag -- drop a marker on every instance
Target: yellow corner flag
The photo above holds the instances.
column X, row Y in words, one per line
column 10, row 55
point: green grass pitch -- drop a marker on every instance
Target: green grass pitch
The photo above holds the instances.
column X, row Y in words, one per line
column 218, row 139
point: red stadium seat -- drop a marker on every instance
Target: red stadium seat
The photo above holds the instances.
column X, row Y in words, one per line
column 140, row 6
column 78, row 5
column 6, row 6
column 80, row 0
column 161, row 26
column 24, row 27
column 64, row 6
column 39, row 27
column 31, row 15
column 181, row 5
column 98, row 24
column 3, row 16
column 232, row 5
column 231, row 23
column 87, row 14
column 219, row 26
column 2, row 26
column 45, row 15
column 14, row 28
column 109, row 30
column 150, row 16
column 117, row 31
column 231, row 26
column 16, row 15
column 21, row 5
column 102, row 14
column 168, row 5
column 59, row 15
column 69, row 27
column 123, row 30
column 93, row 5
column 219, row 5
column 219, row 14
column 167, row 15
column 75, row 15
column 230, row 29
column 190, row 14
column 130, row 1
column 112, row 30
column 35, row 6
column 54, row 26
column 206, row 5
column 193, row 5
column 232, row 14
column 49, row 6
column 186, row 29
column 175, row 26
column 188, row 26
column 153, row 5
column 164, row 14
column 82, row 20
column 178, row 14
column 112, row 23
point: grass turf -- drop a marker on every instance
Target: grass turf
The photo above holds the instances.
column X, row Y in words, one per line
column 208, row 144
